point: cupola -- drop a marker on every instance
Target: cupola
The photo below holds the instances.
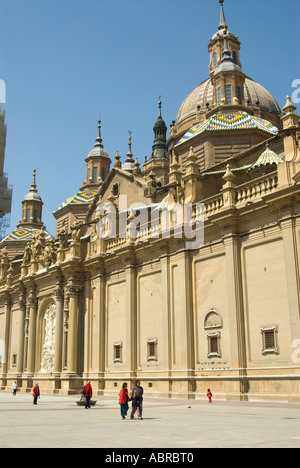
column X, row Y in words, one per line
column 97, row 164
column 32, row 208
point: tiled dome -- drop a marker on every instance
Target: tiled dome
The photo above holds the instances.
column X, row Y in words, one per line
column 25, row 235
column 223, row 121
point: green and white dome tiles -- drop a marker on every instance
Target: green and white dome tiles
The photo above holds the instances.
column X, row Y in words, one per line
column 25, row 235
column 225, row 121
column 266, row 158
column 81, row 198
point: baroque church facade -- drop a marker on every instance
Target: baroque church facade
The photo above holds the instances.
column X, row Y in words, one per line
column 114, row 305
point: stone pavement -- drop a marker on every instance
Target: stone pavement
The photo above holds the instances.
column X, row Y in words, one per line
column 58, row 423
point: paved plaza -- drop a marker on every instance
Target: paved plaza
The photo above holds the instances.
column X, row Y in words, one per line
column 58, row 422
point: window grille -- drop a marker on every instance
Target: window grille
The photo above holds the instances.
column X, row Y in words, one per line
column 270, row 342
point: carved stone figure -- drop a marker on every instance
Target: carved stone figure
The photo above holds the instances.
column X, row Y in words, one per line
column 49, row 255
column 27, row 256
column 47, row 364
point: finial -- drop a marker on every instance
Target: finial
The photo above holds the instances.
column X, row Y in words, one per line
column 223, row 24
column 129, row 162
column 33, row 185
column 129, row 142
column 118, row 163
column 137, row 169
column 289, row 106
column 228, row 176
column 159, row 107
column 99, row 139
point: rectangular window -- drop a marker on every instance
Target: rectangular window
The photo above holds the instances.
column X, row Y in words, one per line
column 116, row 190
column 14, row 360
column 269, row 338
column 219, row 95
column 214, row 345
column 103, row 173
column 35, row 216
column 228, row 94
column 28, row 213
column 215, row 59
column 239, row 94
column 88, row 174
column 152, row 350
column 95, row 175
column 117, row 352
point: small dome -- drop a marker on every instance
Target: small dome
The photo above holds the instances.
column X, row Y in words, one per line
column 32, row 196
column 98, row 151
column 268, row 157
column 203, row 95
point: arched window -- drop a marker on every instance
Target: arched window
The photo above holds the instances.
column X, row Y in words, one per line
column 213, row 325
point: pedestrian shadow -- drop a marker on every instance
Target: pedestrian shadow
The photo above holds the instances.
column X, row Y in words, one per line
column 145, row 419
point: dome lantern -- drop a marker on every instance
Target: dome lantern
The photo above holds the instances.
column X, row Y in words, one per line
column 32, row 208
column 97, row 164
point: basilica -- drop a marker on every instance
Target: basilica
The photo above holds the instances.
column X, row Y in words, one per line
column 112, row 298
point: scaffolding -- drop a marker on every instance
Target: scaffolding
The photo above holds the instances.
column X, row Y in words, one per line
column 4, row 225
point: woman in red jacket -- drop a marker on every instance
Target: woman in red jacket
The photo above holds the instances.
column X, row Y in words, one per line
column 123, row 400
column 36, row 394
column 88, row 393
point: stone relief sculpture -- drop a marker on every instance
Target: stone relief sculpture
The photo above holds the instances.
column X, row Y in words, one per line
column 47, row 364
column 39, row 251
column 49, row 256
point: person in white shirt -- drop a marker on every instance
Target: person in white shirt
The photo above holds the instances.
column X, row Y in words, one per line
column 15, row 388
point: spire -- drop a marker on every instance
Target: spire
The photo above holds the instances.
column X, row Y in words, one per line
column 129, row 161
column 231, row 45
column 98, row 149
column 33, row 184
column 98, row 142
column 160, row 148
column 223, row 24
column 33, row 193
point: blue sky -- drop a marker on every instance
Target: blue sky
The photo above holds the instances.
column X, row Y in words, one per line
column 66, row 61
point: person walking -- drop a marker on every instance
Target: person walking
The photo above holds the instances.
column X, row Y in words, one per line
column 36, row 393
column 123, row 400
column 135, row 405
column 15, row 388
column 139, row 389
column 209, row 396
column 88, row 393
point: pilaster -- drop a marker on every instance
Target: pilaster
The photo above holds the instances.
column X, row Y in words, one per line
column 74, row 288
column 59, row 328
column 32, row 305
